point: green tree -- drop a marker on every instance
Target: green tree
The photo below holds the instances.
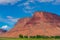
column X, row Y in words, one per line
column 57, row 37
column 52, row 37
column 38, row 36
column 20, row 36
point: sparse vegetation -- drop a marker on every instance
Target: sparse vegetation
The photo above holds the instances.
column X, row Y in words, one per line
column 38, row 36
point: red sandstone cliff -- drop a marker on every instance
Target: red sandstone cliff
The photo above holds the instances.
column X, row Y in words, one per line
column 42, row 23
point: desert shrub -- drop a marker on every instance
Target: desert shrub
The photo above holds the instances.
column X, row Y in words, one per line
column 45, row 37
column 57, row 36
column 52, row 37
column 38, row 36
column 20, row 36
column 25, row 36
column 32, row 36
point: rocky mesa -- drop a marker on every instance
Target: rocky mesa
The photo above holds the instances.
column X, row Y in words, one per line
column 42, row 23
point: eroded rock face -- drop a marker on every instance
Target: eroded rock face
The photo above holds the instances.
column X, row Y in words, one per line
column 42, row 23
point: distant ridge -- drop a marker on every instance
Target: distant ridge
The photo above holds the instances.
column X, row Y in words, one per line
column 2, row 31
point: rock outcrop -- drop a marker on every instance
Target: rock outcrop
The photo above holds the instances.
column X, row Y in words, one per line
column 42, row 23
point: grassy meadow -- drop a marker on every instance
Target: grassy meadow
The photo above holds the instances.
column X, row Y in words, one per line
column 28, row 39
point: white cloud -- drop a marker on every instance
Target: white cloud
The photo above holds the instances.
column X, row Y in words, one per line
column 45, row 0
column 31, row 1
column 9, row 20
column 12, row 19
column 4, row 2
column 8, row 1
column 53, row 2
column 57, row 2
column 9, row 17
column 27, row 7
column 4, row 27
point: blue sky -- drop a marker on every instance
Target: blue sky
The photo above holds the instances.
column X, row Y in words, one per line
column 13, row 10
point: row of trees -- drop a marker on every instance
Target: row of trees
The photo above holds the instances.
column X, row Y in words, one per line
column 38, row 36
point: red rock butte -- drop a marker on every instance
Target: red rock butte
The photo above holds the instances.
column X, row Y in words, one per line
column 42, row 23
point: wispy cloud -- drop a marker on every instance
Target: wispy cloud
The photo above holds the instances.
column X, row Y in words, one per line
column 29, row 9
column 45, row 0
column 12, row 19
column 53, row 2
column 9, row 20
column 3, row 2
column 56, row 2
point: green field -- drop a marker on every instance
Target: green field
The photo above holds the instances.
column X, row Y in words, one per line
column 28, row 39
